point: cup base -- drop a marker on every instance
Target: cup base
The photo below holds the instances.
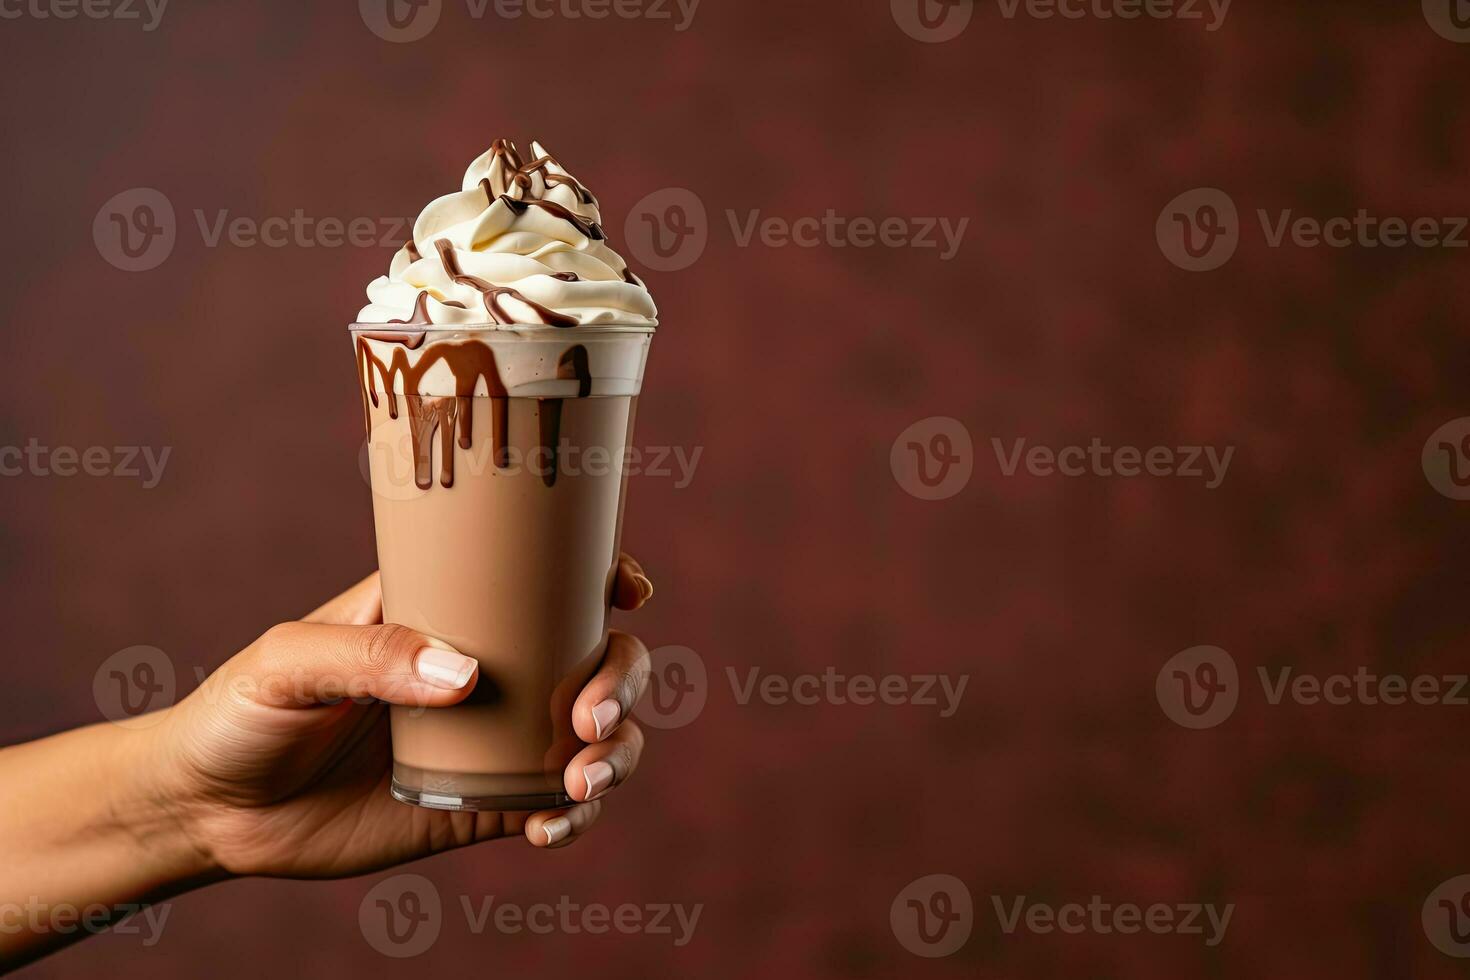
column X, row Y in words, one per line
column 439, row 800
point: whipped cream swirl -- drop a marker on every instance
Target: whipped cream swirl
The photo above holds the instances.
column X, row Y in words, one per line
column 522, row 243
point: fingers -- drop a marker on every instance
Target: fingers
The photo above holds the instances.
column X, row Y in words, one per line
column 598, row 768
column 360, row 605
column 632, row 587
column 561, row 828
column 303, row 664
column 610, row 695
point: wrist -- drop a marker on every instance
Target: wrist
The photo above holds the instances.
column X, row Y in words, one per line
column 148, row 804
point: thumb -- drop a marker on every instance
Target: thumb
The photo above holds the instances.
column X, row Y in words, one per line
column 304, row 664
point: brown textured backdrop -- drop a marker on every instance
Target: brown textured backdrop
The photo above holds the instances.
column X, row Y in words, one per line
column 795, row 549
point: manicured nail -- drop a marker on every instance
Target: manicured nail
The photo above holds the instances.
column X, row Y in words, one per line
column 444, row 668
column 605, row 715
column 645, row 587
column 599, row 777
column 557, row 829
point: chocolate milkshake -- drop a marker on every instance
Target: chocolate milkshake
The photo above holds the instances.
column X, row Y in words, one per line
column 500, row 362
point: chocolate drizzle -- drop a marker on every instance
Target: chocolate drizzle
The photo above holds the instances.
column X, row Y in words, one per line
column 519, row 207
column 413, row 250
column 571, row 366
column 420, row 315
column 413, row 341
column 452, row 416
column 492, row 292
column 521, row 173
column 469, row 362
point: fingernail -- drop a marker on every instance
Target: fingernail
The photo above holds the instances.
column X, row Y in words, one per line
column 645, row 587
column 557, row 829
column 599, row 777
column 444, row 668
column 605, row 715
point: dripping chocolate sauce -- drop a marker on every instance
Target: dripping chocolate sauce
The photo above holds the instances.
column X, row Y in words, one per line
column 452, row 417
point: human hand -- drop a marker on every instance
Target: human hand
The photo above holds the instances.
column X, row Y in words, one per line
column 268, row 771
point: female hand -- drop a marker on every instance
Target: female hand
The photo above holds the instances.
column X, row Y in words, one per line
column 267, row 771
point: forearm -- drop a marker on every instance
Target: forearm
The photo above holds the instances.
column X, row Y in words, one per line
column 86, row 838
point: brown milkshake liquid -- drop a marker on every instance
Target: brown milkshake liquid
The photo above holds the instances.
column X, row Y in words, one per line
column 507, row 569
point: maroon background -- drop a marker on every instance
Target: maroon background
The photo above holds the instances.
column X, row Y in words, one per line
column 795, row 549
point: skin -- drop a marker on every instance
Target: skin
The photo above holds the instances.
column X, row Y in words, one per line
column 266, row 770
